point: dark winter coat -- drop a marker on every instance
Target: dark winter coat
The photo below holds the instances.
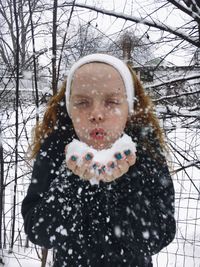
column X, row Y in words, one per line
column 116, row 224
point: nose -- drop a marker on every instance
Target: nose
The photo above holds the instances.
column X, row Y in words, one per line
column 97, row 114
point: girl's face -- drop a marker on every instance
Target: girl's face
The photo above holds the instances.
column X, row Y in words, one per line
column 98, row 105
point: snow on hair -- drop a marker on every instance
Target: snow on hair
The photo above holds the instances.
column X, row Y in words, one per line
column 118, row 64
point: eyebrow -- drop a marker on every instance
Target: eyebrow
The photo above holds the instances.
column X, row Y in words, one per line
column 79, row 95
column 107, row 95
column 114, row 94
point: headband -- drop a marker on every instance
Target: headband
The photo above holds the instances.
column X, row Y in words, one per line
column 118, row 64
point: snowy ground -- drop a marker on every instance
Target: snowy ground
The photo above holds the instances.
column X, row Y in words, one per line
column 184, row 250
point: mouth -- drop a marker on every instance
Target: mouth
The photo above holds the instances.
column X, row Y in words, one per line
column 98, row 134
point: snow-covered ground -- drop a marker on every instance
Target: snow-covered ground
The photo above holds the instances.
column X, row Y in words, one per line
column 184, row 251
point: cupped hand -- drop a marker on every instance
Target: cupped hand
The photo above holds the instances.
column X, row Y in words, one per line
column 119, row 167
column 81, row 167
column 86, row 169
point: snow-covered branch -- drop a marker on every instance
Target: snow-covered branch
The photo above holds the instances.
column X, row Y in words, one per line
column 186, row 10
column 144, row 21
column 182, row 79
column 175, row 96
column 178, row 111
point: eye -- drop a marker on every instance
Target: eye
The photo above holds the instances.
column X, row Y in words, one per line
column 112, row 102
column 81, row 103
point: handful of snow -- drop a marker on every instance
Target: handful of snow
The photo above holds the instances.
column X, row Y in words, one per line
column 101, row 157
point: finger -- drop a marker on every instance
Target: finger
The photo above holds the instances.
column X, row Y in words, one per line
column 72, row 162
column 100, row 171
column 88, row 175
column 104, row 174
column 123, row 165
column 113, row 171
column 108, row 175
column 90, row 171
column 108, row 178
column 85, row 166
column 119, row 159
column 119, row 156
column 116, row 173
column 66, row 147
column 130, row 158
column 94, row 169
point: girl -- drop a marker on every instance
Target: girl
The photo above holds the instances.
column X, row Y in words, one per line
column 128, row 214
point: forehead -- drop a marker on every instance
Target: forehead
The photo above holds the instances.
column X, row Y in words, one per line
column 97, row 78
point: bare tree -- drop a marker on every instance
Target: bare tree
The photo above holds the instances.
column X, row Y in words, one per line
column 54, row 47
column 1, row 188
column 8, row 37
column 134, row 49
column 86, row 40
column 191, row 34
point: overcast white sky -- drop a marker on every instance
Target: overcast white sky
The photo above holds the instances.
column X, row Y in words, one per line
column 140, row 9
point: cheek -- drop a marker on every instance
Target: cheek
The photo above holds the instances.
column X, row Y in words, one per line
column 81, row 131
column 117, row 112
column 80, row 124
column 119, row 116
column 117, row 127
column 76, row 117
column 76, row 120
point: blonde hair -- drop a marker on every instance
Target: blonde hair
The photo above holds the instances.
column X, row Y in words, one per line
column 143, row 116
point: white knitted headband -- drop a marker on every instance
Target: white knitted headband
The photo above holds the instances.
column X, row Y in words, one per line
column 118, row 64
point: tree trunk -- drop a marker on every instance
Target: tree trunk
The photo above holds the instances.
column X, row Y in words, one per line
column 44, row 257
column 16, row 124
column 54, row 48
column 1, row 187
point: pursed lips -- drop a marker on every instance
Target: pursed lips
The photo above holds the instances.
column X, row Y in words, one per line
column 98, row 133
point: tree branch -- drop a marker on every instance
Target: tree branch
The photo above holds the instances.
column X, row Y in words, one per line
column 192, row 77
column 186, row 10
column 154, row 24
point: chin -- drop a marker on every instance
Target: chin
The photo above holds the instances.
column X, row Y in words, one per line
column 102, row 146
column 99, row 144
